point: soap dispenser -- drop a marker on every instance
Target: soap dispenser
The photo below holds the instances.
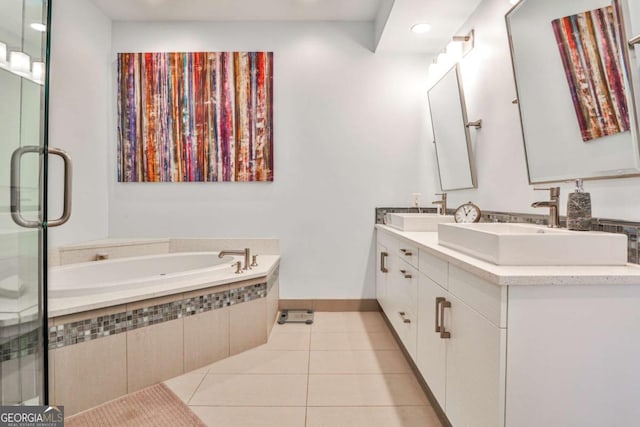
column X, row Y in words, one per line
column 579, row 209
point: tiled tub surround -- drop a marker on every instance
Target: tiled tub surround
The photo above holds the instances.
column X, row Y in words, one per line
column 630, row 228
column 528, row 345
column 130, row 339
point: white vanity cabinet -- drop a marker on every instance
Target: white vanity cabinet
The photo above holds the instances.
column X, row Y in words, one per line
column 397, row 284
column 459, row 350
column 517, row 346
column 382, row 272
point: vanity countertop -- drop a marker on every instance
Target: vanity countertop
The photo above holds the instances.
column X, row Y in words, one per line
column 520, row 275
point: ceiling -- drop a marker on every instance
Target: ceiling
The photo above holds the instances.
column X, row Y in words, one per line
column 394, row 16
column 240, row 10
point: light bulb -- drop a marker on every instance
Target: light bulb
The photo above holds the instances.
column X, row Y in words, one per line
column 444, row 61
column 38, row 72
column 3, row 54
column 39, row 27
column 20, row 63
column 455, row 50
column 434, row 69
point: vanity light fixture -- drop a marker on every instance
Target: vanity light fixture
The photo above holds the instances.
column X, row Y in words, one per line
column 37, row 72
column 455, row 50
column 421, row 28
column 20, row 63
column 38, row 27
column 3, row 54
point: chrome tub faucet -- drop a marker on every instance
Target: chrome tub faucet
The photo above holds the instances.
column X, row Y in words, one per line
column 553, row 205
column 246, row 252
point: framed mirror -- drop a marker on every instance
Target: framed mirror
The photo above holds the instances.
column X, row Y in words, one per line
column 450, row 132
column 574, row 88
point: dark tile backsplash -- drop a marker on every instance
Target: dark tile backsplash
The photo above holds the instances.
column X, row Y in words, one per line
column 631, row 229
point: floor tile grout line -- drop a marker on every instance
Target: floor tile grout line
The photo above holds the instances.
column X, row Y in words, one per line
column 197, row 387
column 306, row 406
column 312, row 406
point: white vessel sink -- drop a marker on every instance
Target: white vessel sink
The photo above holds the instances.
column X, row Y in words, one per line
column 528, row 244
column 417, row 221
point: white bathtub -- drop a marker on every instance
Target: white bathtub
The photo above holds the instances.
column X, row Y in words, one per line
column 96, row 277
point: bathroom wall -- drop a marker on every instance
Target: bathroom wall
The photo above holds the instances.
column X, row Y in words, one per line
column 498, row 147
column 350, row 135
column 78, row 117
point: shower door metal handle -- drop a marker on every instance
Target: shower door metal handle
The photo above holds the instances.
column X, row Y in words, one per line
column 68, row 182
column 634, row 41
column 15, row 185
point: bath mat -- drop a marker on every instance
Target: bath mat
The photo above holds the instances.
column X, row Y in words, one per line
column 154, row 406
column 296, row 316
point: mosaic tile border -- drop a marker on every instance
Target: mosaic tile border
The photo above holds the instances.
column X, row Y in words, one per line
column 104, row 326
column 21, row 345
column 630, row 228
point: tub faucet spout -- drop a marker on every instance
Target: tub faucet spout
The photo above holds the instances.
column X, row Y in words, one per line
column 246, row 252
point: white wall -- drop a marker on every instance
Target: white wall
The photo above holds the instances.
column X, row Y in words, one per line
column 350, row 135
column 79, row 117
column 498, row 147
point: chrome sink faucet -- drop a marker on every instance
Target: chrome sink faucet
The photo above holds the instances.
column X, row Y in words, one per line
column 246, row 252
column 553, row 205
column 442, row 203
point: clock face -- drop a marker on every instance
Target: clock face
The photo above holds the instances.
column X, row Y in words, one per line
column 467, row 213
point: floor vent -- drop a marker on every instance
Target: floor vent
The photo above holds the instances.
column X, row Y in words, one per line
column 296, row 316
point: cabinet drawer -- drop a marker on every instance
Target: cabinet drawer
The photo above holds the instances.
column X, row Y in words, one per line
column 486, row 298
column 434, row 268
column 408, row 252
column 405, row 283
column 405, row 323
column 389, row 242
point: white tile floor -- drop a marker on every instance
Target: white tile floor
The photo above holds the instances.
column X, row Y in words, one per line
column 344, row 370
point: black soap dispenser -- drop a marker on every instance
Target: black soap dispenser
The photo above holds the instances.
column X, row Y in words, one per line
column 579, row 209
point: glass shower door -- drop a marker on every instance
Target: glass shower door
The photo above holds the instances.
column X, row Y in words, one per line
column 22, row 184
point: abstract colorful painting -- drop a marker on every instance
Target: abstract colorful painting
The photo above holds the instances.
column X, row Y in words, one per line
column 590, row 52
column 198, row 116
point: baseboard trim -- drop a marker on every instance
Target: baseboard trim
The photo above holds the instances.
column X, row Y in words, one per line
column 330, row 304
column 425, row 387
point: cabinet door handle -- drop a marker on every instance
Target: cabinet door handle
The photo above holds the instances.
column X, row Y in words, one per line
column 443, row 333
column 405, row 274
column 406, row 252
column 402, row 316
column 383, row 259
column 438, row 301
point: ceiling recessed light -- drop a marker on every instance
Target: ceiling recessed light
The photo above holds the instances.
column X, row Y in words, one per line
column 420, row 28
column 39, row 27
column 513, row 1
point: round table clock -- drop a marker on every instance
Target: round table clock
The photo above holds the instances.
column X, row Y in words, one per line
column 467, row 213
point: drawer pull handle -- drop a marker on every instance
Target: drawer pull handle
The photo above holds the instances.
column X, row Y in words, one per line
column 406, row 252
column 438, row 301
column 444, row 334
column 383, row 259
column 405, row 274
column 402, row 316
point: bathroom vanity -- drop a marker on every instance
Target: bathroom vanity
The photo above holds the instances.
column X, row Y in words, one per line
column 514, row 346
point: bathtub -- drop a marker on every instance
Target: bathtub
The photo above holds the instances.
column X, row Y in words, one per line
column 97, row 277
